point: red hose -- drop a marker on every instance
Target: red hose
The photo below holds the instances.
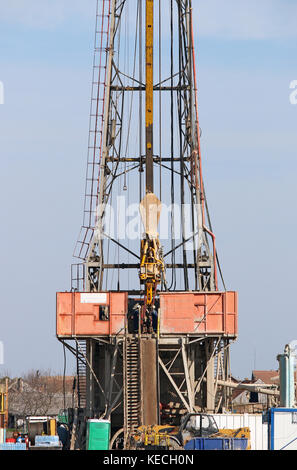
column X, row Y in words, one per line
column 201, row 189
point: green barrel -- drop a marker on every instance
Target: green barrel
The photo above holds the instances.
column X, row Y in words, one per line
column 98, row 434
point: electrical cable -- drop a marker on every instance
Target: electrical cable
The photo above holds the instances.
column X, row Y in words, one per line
column 132, row 94
column 173, row 276
column 160, row 96
column 140, row 100
column 182, row 181
column 64, row 374
column 217, row 256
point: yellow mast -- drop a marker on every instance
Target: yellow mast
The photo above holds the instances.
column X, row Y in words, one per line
column 149, row 105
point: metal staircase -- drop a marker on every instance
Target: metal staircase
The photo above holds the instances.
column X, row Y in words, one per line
column 132, row 385
column 81, row 351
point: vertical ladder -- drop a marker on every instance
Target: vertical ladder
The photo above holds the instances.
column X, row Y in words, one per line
column 81, row 374
column 95, row 142
column 131, row 385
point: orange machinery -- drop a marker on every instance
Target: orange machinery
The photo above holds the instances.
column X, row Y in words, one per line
column 104, row 313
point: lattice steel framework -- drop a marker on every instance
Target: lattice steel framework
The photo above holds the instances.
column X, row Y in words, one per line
column 176, row 156
column 188, row 369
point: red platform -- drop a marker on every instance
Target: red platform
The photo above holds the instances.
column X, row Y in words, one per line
column 78, row 314
column 194, row 313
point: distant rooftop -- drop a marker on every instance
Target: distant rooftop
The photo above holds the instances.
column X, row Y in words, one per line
column 270, row 377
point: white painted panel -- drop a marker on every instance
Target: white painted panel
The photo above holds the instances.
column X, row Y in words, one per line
column 93, row 298
column 285, row 430
column 259, row 430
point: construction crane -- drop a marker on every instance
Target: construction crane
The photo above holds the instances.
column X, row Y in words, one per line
column 163, row 308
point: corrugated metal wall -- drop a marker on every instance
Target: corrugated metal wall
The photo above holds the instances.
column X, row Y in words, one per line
column 259, row 430
column 284, row 429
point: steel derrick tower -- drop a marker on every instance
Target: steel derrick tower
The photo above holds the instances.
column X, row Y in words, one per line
column 150, row 319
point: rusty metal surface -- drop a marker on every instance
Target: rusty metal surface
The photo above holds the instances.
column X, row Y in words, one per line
column 78, row 313
column 149, row 394
column 199, row 313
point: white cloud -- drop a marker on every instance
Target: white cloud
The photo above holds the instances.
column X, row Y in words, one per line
column 246, row 19
column 230, row 19
column 45, row 14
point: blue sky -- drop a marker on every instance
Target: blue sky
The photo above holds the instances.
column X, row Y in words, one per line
column 246, row 54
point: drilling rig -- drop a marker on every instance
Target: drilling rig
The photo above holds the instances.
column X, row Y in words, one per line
column 148, row 317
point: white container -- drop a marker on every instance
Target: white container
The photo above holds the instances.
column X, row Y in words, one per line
column 259, row 430
column 283, row 429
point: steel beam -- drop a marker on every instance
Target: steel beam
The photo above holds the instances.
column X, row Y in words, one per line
column 190, row 384
column 180, row 395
